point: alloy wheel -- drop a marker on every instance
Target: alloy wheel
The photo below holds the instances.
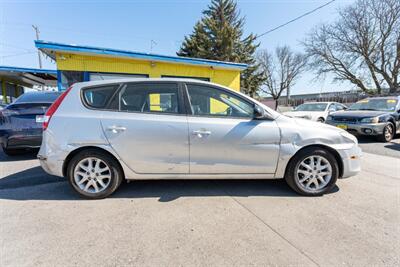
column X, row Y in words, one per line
column 92, row 175
column 388, row 132
column 313, row 173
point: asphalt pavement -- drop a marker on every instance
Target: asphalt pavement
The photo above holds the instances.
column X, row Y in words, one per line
column 199, row 223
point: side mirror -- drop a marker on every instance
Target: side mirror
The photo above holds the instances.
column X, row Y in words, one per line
column 259, row 113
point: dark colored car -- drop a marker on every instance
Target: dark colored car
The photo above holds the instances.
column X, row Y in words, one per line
column 376, row 116
column 21, row 121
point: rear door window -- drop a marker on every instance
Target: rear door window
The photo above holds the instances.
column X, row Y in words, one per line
column 99, row 97
column 149, row 97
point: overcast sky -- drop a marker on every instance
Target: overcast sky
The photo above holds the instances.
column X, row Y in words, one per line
column 131, row 25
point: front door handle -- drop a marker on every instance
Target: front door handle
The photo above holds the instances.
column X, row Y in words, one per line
column 201, row 133
column 116, row 129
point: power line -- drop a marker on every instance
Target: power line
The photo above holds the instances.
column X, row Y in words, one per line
column 293, row 20
column 18, row 54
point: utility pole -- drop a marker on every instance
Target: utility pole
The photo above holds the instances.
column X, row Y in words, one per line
column 36, row 28
column 152, row 43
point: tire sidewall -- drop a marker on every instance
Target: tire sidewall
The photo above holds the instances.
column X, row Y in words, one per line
column 116, row 174
column 389, row 124
column 296, row 161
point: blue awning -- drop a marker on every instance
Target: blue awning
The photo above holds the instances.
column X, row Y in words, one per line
column 50, row 48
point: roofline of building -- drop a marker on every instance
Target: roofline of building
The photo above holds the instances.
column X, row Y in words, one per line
column 20, row 69
column 45, row 45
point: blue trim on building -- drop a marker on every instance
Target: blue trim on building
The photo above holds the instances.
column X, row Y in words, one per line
column 44, row 45
column 59, row 83
column 18, row 69
column 86, row 76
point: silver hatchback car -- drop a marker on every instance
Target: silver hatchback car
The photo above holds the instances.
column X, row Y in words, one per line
column 98, row 133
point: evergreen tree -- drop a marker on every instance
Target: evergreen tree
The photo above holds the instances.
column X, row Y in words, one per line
column 219, row 36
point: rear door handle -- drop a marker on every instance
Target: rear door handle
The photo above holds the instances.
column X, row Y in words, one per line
column 201, row 133
column 116, row 129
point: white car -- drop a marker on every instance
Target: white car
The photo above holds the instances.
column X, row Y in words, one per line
column 315, row 111
column 99, row 133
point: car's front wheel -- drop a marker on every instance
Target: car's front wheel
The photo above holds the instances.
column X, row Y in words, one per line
column 312, row 172
column 94, row 174
column 387, row 133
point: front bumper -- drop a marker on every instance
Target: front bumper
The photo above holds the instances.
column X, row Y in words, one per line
column 351, row 159
column 361, row 128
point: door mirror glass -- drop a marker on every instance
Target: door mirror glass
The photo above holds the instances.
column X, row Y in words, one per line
column 259, row 113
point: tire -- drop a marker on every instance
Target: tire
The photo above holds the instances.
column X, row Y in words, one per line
column 12, row 152
column 387, row 134
column 295, row 172
column 322, row 120
column 79, row 178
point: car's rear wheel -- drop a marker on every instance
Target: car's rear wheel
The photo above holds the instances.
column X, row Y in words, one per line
column 12, row 152
column 387, row 133
column 94, row 174
column 312, row 172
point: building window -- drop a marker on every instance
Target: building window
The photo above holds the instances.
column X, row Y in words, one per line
column 187, row 77
column 98, row 76
column 68, row 78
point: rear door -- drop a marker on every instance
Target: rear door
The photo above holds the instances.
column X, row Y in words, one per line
column 148, row 128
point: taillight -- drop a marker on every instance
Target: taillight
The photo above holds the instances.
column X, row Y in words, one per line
column 53, row 108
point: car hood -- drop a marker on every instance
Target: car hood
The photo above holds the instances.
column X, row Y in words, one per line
column 302, row 113
column 359, row 113
column 300, row 132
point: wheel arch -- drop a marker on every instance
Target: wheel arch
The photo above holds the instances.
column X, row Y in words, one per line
column 325, row 147
column 78, row 150
column 393, row 121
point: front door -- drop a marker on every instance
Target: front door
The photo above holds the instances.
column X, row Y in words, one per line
column 149, row 131
column 224, row 137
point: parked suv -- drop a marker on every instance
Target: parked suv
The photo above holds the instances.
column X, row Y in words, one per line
column 374, row 116
column 99, row 133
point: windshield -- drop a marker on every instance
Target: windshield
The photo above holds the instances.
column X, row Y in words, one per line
column 312, row 107
column 381, row 104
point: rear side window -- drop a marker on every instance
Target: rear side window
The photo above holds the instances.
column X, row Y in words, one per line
column 149, row 97
column 99, row 97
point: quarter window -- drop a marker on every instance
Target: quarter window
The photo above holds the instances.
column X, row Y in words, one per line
column 160, row 98
column 99, row 97
column 209, row 101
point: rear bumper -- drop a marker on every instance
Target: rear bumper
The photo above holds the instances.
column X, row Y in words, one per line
column 51, row 166
column 361, row 128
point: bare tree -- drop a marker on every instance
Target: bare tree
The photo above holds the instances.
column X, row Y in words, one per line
column 362, row 46
column 281, row 70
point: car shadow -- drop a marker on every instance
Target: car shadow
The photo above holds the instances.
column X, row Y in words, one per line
column 393, row 146
column 365, row 139
column 34, row 184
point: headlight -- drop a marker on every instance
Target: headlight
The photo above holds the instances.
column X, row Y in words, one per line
column 370, row 120
column 349, row 137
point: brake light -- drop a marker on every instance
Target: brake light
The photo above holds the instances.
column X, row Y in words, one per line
column 53, row 108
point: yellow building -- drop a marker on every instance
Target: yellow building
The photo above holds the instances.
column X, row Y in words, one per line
column 85, row 63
